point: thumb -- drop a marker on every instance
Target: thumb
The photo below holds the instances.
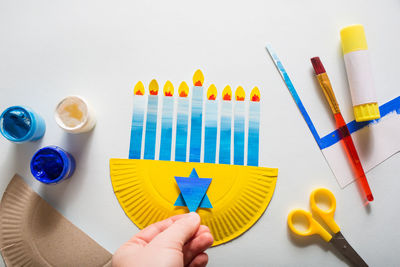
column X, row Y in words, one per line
column 180, row 232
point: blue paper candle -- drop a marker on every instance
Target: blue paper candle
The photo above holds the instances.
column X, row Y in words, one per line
column 238, row 127
column 151, row 121
column 197, row 117
column 135, row 148
column 210, row 121
column 225, row 126
column 254, row 128
column 182, row 123
column 166, row 121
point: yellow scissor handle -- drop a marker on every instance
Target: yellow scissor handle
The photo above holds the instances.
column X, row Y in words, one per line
column 327, row 215
column 313, row 227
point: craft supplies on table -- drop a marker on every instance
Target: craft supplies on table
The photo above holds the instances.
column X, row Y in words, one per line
column 52, row 165
column 375, row 140
column 21, row 124
column 74, row 115
column 345, row 135
column 359, row 73
column 298, row 216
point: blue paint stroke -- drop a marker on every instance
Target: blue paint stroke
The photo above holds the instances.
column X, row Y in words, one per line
column 135, row 147
column 196, row 124
column 333, row 137
column 254, row 132
column 181, row 129
column 238, row 134
column 210, row 132
column 151, row 127
column 292, row 90
column 166, row 128
column 225, row 133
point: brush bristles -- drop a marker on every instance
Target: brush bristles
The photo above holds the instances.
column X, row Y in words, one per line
column 317, row 65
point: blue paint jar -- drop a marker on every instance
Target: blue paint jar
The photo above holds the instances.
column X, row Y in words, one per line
column 52, row 164
column 21, row 124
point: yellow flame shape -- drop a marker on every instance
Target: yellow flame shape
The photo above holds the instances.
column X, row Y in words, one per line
column 168, row 89
column 255, row 95
column 139, row 88
column 227, row 93
column 153, row 87
column 212, row 92
column 198, row 78
column 240, row 94
column 183, row 89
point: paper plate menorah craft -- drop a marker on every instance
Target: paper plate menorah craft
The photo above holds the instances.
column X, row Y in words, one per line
column 180, row 161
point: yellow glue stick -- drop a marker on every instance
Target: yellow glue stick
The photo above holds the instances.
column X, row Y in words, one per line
column 359, row 73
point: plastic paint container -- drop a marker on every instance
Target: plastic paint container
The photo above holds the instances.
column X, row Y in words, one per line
column 52, row 165
column 21, row 124
column 359, row 73
column 74, row 115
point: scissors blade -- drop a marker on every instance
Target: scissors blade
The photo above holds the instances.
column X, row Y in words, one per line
column 340, row 243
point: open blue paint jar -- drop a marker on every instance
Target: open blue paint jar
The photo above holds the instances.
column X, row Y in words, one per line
column 52, row 165
column 21, row 124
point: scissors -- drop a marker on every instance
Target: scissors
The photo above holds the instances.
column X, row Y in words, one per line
column 337, row 239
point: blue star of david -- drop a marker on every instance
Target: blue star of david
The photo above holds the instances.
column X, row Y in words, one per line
column 193, row 192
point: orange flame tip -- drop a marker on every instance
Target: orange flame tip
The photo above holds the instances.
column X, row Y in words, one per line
column 240, row 94
column 227, row 93
column 212, row 92
column 255, row 95
column 168, row 89
column 153, row 87
column 183, row 89
column 198, row 78
column 139, row 88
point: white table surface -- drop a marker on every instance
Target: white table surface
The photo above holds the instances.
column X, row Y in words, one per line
column 100, row 49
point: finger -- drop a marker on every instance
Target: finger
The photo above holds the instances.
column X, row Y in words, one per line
column 201, row 260
column 202, row 229
column 179, row 232
column 148, row 233
column 196, row 247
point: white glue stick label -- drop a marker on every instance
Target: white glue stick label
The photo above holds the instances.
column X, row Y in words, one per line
column 359, row 74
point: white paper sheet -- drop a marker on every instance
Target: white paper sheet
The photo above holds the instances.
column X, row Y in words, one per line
column 374, row 143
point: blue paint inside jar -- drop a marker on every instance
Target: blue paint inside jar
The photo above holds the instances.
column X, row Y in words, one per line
column 17, row 123
column 21, row 124
column 52, row 164
column 47, row 165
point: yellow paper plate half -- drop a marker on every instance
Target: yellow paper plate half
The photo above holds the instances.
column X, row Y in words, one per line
column 147, row 191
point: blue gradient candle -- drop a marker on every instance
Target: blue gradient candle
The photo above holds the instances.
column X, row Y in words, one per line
column 151, row 121
column 210, row 121
column 238, row 127
column 21, row 124
column 225, row 126
column 166, row 121
column 254, row 128
column 196, row 117
column 182, row 123
column 135, row 148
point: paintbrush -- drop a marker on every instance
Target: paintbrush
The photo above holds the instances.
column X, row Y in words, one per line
column 344, row 132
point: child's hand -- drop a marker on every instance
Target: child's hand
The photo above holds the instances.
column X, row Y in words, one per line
column 177, row 241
